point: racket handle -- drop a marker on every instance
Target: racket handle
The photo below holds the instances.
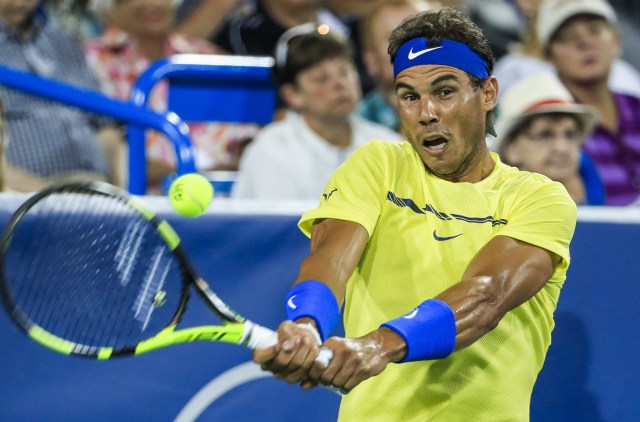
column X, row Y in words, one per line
column 260, row 337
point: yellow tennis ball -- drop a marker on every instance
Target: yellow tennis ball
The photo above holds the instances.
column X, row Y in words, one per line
column 191, row 194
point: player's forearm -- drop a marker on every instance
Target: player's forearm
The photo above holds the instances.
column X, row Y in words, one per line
column 319, row 268
column 336, row 248
column 392, row 347
column 505, row 274
column 476, row 305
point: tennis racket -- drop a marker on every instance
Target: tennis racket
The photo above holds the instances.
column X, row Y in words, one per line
column 88, row 270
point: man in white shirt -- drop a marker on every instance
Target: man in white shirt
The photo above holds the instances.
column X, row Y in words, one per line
column 294, row 158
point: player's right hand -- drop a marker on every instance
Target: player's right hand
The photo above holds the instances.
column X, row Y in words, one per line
column 292, row 357
column 356, row 359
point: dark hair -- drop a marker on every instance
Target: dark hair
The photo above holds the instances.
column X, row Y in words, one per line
column 306, row 50
column 444, row 24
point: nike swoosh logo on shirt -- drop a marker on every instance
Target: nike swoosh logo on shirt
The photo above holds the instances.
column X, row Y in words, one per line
column 290, row 302
column 442, row 239
column 326, row 196
column 413, row 55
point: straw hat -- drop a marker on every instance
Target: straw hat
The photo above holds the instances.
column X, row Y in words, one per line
column 532, row 96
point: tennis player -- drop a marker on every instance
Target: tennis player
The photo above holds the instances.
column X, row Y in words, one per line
column 449, row 263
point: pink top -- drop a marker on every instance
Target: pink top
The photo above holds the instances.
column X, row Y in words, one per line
column 117, row 64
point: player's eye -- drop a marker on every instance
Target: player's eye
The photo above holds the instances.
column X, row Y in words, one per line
column 409, row 97
column 445, row 92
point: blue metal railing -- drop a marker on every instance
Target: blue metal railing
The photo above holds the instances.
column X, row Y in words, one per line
column 203, row 88
column 235, row 89
column 168, row 123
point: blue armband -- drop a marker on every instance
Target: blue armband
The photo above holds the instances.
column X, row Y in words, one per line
column 429, row 331
column 313, row 299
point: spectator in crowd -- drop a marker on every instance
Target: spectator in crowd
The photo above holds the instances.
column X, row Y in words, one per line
column 579, row 37
column 628, row 15
column 257, row 25
column 351, row 12
column 202, row 18
column 497, row 20
column 494, row 17
column 527, row 57
column 381, row 104
column 140, row 32
column 74, row 17
column 541, row 129
column 294, row 158
column 50, row 141
column 355, row 8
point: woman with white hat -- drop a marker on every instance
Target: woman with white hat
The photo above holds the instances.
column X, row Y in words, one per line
column 541, row 129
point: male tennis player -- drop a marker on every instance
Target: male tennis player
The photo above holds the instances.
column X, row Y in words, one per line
column 449, row 262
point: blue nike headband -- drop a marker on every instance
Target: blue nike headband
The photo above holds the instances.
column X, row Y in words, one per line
column 416, row 52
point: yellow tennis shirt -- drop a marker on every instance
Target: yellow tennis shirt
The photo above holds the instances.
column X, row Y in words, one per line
column 423, row 232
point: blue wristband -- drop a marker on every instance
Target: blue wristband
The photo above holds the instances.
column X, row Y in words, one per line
column 313, row 299
column 429, row 331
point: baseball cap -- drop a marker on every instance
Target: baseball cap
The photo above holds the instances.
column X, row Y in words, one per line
column 536, row 95
column 553, row 13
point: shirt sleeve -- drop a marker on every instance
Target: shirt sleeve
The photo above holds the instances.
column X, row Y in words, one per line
column 544, row 216
column 355, row 191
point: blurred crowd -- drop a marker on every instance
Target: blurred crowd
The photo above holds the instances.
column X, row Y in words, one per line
column 568, row 73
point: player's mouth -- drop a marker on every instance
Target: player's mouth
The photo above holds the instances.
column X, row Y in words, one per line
column 435, row 145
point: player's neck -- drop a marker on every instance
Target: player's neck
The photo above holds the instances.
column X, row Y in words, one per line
column 476, row 168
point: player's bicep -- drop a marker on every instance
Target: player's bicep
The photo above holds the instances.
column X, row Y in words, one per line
column 336, row 248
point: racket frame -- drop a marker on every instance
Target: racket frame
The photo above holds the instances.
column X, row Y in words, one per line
column 236, row 329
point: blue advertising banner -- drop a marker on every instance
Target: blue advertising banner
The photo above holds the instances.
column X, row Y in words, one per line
column 250, row 256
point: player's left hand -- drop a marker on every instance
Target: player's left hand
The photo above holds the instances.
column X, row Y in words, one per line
column 292, row 356
column 356, row 359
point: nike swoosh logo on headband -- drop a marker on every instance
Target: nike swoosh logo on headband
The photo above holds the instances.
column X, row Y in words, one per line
column 413, row 55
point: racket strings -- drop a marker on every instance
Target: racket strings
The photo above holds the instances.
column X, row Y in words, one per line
column 92, row 271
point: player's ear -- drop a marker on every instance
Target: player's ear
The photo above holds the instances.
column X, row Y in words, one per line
column 290, row 95
column 490, row 91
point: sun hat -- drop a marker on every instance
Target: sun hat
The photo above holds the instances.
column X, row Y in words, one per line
column 536, row 95
column 553, row 13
